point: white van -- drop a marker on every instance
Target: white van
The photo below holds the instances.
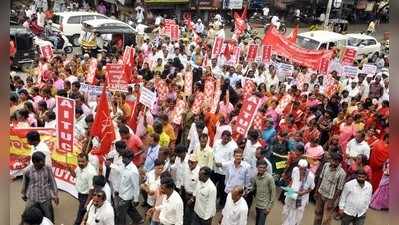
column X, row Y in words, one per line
column 320, row 39
column 70, row 23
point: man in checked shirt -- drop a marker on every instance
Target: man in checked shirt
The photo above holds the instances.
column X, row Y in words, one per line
column 39, row 186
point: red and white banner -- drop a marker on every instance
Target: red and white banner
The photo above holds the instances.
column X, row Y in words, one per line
column 249, row 88
column 168, row 24
column 177, row 113
column 162, row 89
column 266, row 54
column 348, row 56
column 46, row 51
column 331, row 86
column 217, row 47
column 209, row 89
column 65, row 110
column 115, row 77
column 287, row 49
column 197, row 105
column 91, row 73
column 128, row 62
column 323, row 68
column 216, row 97
column 174, row 32
column 188, row 83
column 252, row 51
column 246, row 116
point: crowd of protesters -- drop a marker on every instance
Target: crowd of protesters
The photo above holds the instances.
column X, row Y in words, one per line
column 331, row 150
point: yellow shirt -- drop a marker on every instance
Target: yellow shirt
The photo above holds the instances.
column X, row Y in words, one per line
column 168, row 129
column 204, row 157
column 164, row 140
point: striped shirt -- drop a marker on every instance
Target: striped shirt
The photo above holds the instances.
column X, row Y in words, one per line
column 40, row 184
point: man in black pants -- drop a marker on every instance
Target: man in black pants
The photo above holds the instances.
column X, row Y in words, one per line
column 84, row 174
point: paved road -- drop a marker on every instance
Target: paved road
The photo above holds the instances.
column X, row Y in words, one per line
column 65, row 212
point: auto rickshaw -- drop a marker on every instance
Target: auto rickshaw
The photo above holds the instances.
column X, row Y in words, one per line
column 22, row 40
column 114, row 34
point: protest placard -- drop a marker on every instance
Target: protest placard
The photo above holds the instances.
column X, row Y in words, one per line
column 348, row 56
column 46, row 51
column 266, row 53
column 147, row 97
column 369, row 69
column 114, row 75
column 174, row 32
column 217, row 47
column 285, row 70
column 246, row 116
column 350, row 71
column 65, row 111
column 252, row 51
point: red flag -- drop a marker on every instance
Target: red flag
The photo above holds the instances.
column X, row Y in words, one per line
column 135, row 111
column 244, row 13
column 102, row 126
column 294, row 34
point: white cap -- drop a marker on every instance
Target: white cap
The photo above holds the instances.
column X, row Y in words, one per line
column 303, row 163
column 192, row 158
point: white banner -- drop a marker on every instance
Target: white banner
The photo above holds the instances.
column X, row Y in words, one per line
column 147, row 97
column 369, row 69
column 350, row 71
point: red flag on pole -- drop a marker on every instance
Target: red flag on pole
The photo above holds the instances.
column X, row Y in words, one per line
column 103, row 127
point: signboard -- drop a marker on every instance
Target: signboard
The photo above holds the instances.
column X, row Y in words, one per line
column 46, row 51
column 252, row 51
column 323, row 68
column 348, row 56
column 147, row 97
column 266, row 53
column 168, row 23
column 114, row 75
column 246, row 116
column 65, row 110
column 369, row 69
column 285, row 69
column 233, row 4
column 350, row 71
column 217, row 47
column 174, row 32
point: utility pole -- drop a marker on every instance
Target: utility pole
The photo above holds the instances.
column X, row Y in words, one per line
column 329, row 5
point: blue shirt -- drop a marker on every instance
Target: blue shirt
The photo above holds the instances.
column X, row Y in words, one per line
column 236, row 176
column 269, row 134
column 152, row 155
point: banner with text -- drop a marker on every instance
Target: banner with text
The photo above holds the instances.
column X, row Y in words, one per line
column 114, row 75
column 246, row 116
column 65, row 111
column 20, row 157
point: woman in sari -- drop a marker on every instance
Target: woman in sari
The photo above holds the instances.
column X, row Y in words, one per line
column 346, row 132
column 378, row 155
column 380, row 198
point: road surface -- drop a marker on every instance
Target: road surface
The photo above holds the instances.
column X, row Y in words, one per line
column 65, row 212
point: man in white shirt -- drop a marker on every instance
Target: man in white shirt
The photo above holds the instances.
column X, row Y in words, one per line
column 177, row 165
column 99, row 211
column 204, row 198
column 250, row 147
column 191, row 170
column 83, row 174
column 275, row 21
column 223, row 153
column 115, row 157
column 139, row 14
column 358, row 146
column 33, row 138
column 355, row 200
column 199, row 27
column 236, row 209
column 171, row 209
column 128, row 191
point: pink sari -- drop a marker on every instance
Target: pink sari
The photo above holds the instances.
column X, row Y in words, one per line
column 345, row 135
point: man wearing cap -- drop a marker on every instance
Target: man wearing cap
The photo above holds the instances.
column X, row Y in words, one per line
column 298, row 194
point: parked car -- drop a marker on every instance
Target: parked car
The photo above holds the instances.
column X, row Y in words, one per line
column 320, row 39
column 364, row 45
column 70, row 23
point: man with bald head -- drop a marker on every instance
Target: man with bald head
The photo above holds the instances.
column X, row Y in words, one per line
column 236, row 209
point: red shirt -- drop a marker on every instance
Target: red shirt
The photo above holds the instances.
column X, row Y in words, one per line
column 135, row 144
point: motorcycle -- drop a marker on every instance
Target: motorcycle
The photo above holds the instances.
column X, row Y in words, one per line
column 63, row 43
column 282, row 29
